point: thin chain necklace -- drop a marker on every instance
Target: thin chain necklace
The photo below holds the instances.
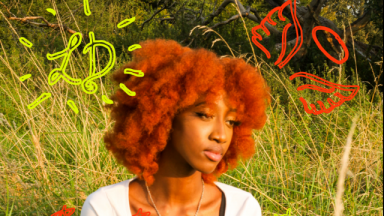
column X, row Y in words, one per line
column 158, row 210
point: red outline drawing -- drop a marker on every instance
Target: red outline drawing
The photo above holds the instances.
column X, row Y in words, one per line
column 64, row 211
column 314, row 30
column 139, row 213
column 348, row 88
column 268, row 19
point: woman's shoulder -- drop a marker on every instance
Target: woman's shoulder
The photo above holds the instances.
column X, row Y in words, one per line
column 108, row 200
column 239, row 202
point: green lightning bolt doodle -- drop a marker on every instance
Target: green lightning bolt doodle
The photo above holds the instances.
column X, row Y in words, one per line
column 57, row 73
column 88, row 85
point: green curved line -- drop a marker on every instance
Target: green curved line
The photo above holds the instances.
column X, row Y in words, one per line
column 39, row 100
column 134, row 47
column 50, row 10
column 73, row 106
column 23, row 78
column 137, row 73
column 25, row 42
column 126, row 22
column 107, row 100
column 126, row 90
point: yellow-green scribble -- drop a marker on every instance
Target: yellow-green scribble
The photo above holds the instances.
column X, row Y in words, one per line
column 287, row 214
column 57, row 73
column 23, row 78
column 39, row 100
column 25, row 42
column 73, row 106
column 126, row 90
column 133, row 72
column 125, row 22
column 133, row 47
column 50, row 10
column 87, row 11
column 107, row 100
column 88, row 85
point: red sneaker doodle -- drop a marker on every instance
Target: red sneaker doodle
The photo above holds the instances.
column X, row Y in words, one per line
column 139, row 213
column 353, row 89
column 64, row 211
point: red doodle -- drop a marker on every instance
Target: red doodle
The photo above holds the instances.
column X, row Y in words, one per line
column 268, row 19
column 347, row 88
column 337, row 38
column 64, row 211
column 139, row 213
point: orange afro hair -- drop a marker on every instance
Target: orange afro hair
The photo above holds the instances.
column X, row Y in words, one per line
column 175, row 77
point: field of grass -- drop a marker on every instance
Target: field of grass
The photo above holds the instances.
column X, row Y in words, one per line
column 50, row 156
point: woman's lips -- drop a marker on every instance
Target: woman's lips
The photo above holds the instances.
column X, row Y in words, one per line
column 213, row 156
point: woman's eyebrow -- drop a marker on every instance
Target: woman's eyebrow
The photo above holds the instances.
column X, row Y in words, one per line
column 201, row 103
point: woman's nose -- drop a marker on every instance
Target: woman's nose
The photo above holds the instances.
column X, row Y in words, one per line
column 219, row 133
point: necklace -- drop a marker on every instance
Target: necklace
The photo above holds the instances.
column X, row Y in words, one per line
column 157, row 211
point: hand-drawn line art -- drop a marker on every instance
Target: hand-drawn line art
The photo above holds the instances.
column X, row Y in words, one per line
column 140, row 213
column 64, row 211
column 88, row 85
column 126, row 90
column 347, row 88
column 57, row 73
column 299, row 39
column 73, row 106
column 106, row 99
column 126, row 22
column 137, row 73
column 337, row 38
column 87, row 11
column 286, row 214
column 134, row 47
column 50, row 10
column 25, row 42
column 26, row 76
column 39, row 100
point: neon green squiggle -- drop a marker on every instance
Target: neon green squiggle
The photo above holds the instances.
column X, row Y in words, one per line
column 126, row 22
column 25, row 42
column 107, row 100
column 133, row 72
column 23, row 78
column 87, row 11
column 57, row 73
column 133, row 47
column 88, row 85
column 126, row 90
column 73, row 106
column 39, row 100
column 50, row 10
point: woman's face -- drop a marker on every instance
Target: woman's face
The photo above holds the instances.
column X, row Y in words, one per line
column 202, row 135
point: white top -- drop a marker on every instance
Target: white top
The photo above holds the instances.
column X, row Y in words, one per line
column 113, row 200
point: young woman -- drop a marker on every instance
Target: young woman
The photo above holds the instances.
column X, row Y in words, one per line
column 191, row 119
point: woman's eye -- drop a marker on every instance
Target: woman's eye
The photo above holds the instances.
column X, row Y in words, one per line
column 203, row 115
column 234, row 123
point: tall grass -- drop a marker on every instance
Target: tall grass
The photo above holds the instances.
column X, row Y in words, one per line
column 50, row 157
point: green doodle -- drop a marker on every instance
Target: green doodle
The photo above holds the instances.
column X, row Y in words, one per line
column 88, row 85
column 39, row 100
column 23, row 78
column 50, row 10
column 73, row 106
column 57, row 73
column 134, row 47
column 25, row 42
column 126, row 90
column 87, row 11
column 125, row 22
column 287, row 214
column 133, row 72
column 106, row 100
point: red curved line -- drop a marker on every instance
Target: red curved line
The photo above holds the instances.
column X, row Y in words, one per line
column 284, row 43
column 282, row 7
column 315, row 87
column 322, row 81
column 295, row 48
column 261, row 46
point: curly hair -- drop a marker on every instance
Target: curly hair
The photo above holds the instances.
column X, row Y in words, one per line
column 175, row 77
